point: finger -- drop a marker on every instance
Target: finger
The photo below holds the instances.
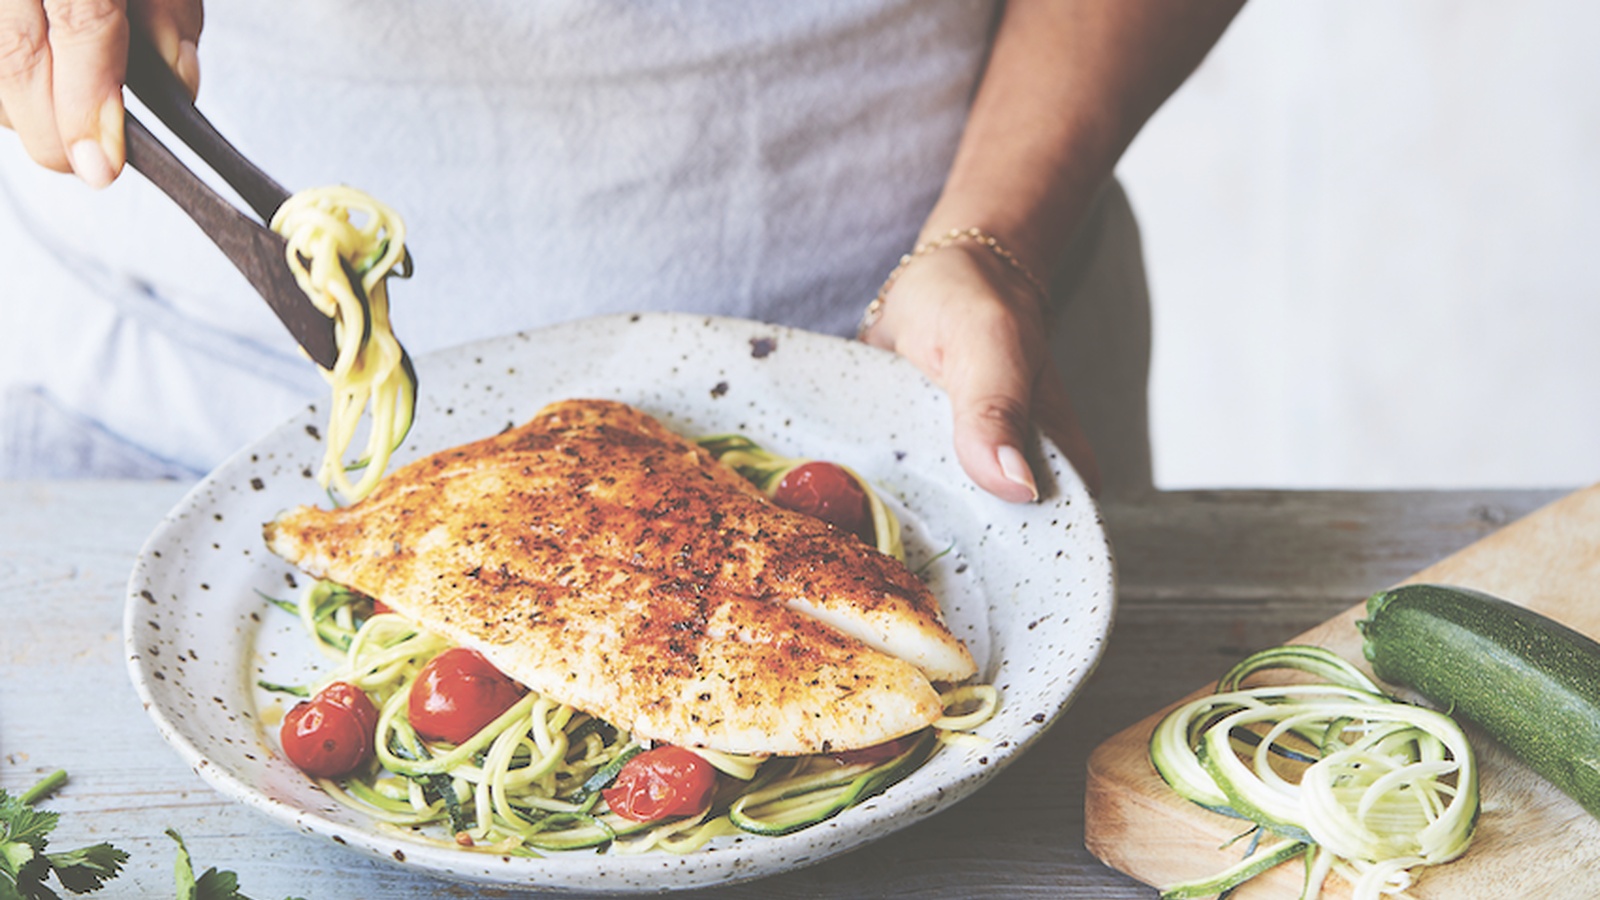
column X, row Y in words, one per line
column 990, row 387
column 1054, row 415
column 25, row 82
column 89, row 56
column 173, row 27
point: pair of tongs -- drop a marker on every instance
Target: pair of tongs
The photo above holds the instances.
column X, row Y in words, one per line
column 258, row 252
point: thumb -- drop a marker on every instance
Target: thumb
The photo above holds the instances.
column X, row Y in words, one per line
column 990, row 396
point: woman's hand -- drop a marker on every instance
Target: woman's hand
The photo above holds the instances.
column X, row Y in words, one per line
column 1067, row 87
column 975, row 326
column 61, row 68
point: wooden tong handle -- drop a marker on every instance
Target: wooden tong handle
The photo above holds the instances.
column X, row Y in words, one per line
column 159, row 89
column 257, row 252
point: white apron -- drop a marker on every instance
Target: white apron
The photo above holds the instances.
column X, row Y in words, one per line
column 552, row 160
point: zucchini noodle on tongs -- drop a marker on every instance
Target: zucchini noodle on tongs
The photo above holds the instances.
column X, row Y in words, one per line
column 343, row 245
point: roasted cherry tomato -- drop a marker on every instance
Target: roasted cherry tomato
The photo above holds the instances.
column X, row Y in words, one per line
column 877, row 753
column 380, row 608
column 457, row 693
column 661, row 782
column 828, row 492
column 332, row 733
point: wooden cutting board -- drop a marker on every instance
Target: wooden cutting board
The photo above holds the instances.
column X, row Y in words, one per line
column 1532, row 841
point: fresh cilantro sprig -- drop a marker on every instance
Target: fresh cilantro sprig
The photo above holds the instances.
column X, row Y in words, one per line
column 26, row 866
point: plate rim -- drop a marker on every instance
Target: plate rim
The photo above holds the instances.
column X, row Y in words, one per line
column 441, row 863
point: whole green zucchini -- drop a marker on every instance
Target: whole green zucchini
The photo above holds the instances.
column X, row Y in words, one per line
column 1529, row 681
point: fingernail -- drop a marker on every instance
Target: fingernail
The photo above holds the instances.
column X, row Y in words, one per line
column 90, row 164
column 187, row 65
column 1016, row 470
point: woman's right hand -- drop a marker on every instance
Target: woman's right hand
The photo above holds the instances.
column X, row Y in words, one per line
column 61, row 68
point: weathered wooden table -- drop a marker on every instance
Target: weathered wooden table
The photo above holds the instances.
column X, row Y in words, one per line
column 1204, row 578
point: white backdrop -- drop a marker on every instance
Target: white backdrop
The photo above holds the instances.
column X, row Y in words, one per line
column 1372, row 231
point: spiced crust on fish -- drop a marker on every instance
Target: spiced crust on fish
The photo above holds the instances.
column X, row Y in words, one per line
column 605, row 561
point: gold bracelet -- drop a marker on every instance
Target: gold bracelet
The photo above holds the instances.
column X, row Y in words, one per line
column 874, row 310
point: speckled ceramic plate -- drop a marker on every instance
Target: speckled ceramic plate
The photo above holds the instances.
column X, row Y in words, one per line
column 1028, row 587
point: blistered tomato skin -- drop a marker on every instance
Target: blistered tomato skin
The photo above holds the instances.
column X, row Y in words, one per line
column 828, row 492
column 662, row 782
column 457, row 693
column 331, row 734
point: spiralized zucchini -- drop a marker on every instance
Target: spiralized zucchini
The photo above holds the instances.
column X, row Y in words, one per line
column 343, row 246
column 1359, row 783
column 530, row 782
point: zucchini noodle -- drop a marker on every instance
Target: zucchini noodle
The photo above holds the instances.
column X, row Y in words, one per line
column 343, row 246
column 1382, row 788
column 983, row 700
column 531, row 781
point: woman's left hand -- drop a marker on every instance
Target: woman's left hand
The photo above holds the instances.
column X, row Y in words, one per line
column 1066, row 88
column 976, row 327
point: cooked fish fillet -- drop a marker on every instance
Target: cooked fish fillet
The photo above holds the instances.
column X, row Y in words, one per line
column 599, row 558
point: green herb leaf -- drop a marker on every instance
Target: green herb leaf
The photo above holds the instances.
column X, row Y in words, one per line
column 182, row 869
column 215, row 885
column 25, row 866
column 87, row 868
column 22, row 824
column 211, row 885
